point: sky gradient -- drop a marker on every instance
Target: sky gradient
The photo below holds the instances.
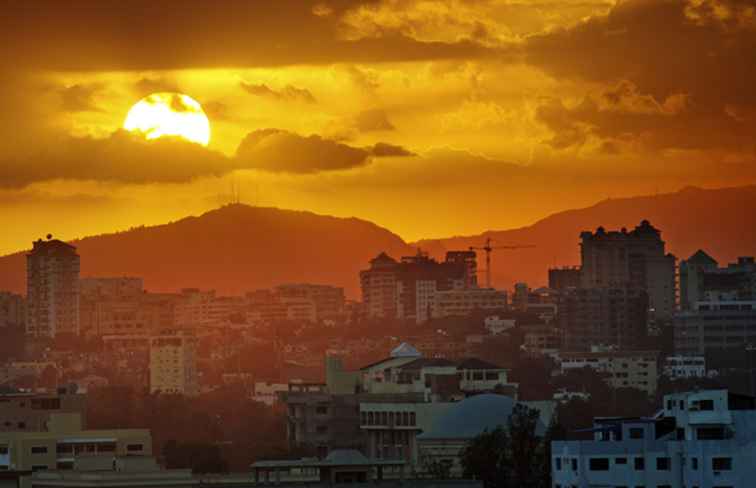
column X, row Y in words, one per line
column 431, row 118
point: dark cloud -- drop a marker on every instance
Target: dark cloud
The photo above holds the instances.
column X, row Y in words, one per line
column 373, row 120
column 121, row 157
column 137, row 35
column 216, row 110
column 178, row 105
column 383, row 149
column 287, row 93
column 146, row 86
column 79, row 98
column 281, row 151
column 677, row 74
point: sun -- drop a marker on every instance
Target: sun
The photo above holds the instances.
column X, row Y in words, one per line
column 169, row 114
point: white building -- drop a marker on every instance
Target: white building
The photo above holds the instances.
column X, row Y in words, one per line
column 173, row 364
column 624, row 369
column 684, row 367
column 698, row 439
column 52, row 280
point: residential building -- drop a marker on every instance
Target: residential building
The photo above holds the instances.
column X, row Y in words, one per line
column 698, row 439
column 196, row 307
column 565, row 277
column 716, row 325
column 52, row 278
column 681, row 367
column 541, row 338
column 12, row 310
column 173, row 364
column 379, row 284
column 631, row 258
column 623, row 369
column 701, row 280
column 328, row 300
column 603, row 316
column 36, row 412
column 462, row 302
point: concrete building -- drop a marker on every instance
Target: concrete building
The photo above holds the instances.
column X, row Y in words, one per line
column 565, row 277
column 195, row 307
column 603, row 316
column 631, row 258
column 37, row 412
column 328, row 300
column 701, row 279
column 52, row 278
column 111, row 287
column 681, row 367
column 173, row 364
column 698, row 439
column 463, row 302
column 712, row 326
column 12, row 310
column 408, row 289
column 113, row 471
column 623, row 369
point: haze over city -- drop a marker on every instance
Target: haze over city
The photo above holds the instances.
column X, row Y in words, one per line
column 482, row 244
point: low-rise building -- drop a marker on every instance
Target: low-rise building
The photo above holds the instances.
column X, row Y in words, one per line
column 715, row 325
column 462, row 302
column 684, row 367
column 698, row 439
column 623, row 369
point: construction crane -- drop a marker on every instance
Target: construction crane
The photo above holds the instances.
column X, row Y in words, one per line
column 488, row 248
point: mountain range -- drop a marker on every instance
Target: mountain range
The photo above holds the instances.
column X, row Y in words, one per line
column 237, row 248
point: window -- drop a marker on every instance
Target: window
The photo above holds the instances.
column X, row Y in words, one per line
column 63, row 465
column 574, row 465
column 492, row 375
column 558, row 464
column 321, row 410
column 134, row 447
column 322, row 429
column 694, row 463
column 3, row 450
column 636, row 433
column 620, row 460
column 706, row 405
column 599, row 464
column 721, row 464
column 663, row 464
column 413, row 418
column 640, row 464
column 39, row 450
column 38, row 467
column 106, row 447
column 710, row 433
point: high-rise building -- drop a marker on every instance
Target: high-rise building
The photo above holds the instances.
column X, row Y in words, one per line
column 12, row 310
column 591, row 317
column 52, row 278
column 173, row 364
column 716, row 325
column 631, row 258
column 378, row 285
column 701, row 279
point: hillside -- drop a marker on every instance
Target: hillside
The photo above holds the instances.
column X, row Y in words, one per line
column 232, row 249
column 722, row 222
column 238, row 248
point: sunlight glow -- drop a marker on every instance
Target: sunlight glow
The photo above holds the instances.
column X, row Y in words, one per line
column 169, row 114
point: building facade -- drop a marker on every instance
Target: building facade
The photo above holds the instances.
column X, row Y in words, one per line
column 698, row 439
column 12, row 310
column 712, row 326
column 702, row 280
column 173, row 364
column 52, row 278
column 635, row 259
column 623, row 369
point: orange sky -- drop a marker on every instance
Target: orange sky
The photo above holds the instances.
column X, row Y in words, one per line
column 431, row 118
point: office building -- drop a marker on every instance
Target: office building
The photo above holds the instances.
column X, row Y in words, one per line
column 173, row 364
column 591, row 317
column 12, row 310
column 702, row 280
column 698, row 439
column 52, row 277
column 635, row 259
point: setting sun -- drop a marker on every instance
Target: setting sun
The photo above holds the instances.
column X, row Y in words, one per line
column 169, row 114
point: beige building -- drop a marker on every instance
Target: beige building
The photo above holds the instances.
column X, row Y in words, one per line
column 52, row 280
column 114, row 471
column 34, row 412
column 173, row 364
column 624, row 369
column 464, row 301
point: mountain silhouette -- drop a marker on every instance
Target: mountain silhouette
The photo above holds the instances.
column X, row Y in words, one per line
column 720, row 221
column 233, row 249
column 238, row 248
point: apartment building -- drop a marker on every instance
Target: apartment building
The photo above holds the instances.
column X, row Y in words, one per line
column 715, row 326
column 173, row 364
column 12, row 310
column 702, row 280
column 623, row 369
column 697, row 439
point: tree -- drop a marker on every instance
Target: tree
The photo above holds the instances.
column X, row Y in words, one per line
column 525, row 446
column 486, row 457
